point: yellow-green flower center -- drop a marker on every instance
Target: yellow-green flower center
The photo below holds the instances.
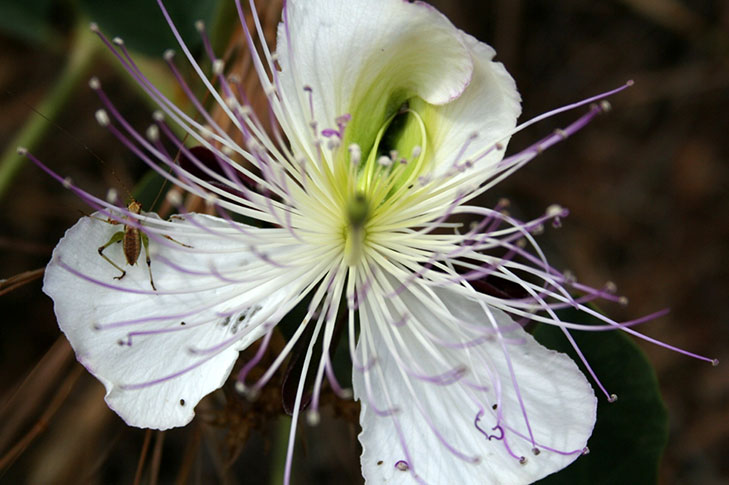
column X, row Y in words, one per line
column 393, row 164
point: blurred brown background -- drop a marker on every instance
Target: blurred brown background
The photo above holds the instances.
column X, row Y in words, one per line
column 646, row 185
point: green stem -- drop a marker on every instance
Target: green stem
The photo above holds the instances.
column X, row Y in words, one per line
column 82, row 53
column 280, row 447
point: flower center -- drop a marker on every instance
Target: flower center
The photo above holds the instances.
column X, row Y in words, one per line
column 396, row 159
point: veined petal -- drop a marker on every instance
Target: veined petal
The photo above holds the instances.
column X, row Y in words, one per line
column 365, row 58
column 440, row 426
column 159, row 352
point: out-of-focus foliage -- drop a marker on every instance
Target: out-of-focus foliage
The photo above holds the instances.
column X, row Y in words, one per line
column 27, row 19
column 141, row 23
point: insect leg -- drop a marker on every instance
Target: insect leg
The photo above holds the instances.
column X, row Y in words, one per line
column 145, row 243
column 176, row 241
column 116, row 237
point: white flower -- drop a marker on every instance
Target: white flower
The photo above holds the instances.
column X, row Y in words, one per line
column 389, row 122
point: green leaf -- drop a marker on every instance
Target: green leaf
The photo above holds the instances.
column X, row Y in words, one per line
column 143, row 27
column 631, row 433
column 27, row 20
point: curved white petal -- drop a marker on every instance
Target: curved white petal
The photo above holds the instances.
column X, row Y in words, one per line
column 404, row 448
column 366, row 57
column 139, row 370
column 487, row 110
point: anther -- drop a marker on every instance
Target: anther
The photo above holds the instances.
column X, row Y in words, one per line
column 536, row 451
column 585, row 450
column 152, row 133
column 94, row 27
column 348, row 394
column 22, row 151
column 355, row 154
column 218, row 67
column 555, row 210
column 168, row 55
column 312, row 417
column 200, row 26
column 499, row 146
column 623, row 300
column 611, row 287
column 182, row 402
column 569, row 277
column 94, row 83
column 522, row 460
column 715, row 362
column 417, row 150
column 612, row 398
column 118, row 41
column 402, row 465
column 254, row 146
column 605, row 106
column 158, row 116
column 112, row 196
column 384, row 161
column 102, row 117
column 67, row 183
column 206, row 132
column 251, row 393
column 174, row 198
column 211, row 200
column 630, row 82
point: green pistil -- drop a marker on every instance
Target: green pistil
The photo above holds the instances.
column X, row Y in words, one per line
column 405, row 134
column 358, row 211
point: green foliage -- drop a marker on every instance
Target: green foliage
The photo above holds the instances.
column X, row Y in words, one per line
column 630, row 434
column 141, row 23
column 27, row 20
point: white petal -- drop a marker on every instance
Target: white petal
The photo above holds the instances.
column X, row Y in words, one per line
column 360, row 55
column 221, row 312
column 559, row 402
column 487, row 109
